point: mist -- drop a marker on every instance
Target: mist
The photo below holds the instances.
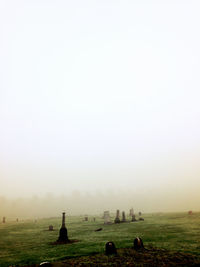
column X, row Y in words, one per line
column 99, row 106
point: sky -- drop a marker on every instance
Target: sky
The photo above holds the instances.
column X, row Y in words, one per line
column 100, row 96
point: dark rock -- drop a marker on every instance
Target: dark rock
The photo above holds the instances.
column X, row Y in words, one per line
column 50, row 227
column 110, row 248
column 137, row 243
column 99, row 229
column 141, row 219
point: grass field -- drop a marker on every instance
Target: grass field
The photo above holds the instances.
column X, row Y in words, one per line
column 28, row 242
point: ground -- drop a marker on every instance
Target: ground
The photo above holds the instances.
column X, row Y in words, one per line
column 169, row 239
column 129, row 257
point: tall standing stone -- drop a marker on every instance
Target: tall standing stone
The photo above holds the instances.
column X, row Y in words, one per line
column 117, row 219
column 63, row 237
column 123, row 216
column 104, row 214
column 131, row 212
column 133, row 218
column 4, row 220
column 106, row 217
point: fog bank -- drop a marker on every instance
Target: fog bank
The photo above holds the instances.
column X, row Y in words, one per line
column 100, row 97
column 85, row 203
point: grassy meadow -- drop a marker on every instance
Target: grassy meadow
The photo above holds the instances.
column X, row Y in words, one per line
column 29, row 242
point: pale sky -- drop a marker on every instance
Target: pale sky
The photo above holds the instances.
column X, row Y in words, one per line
column 99, row 95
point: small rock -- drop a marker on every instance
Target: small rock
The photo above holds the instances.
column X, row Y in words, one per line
column 99, row 229
column 45, row 264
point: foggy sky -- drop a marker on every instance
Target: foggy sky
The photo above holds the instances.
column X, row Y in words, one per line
column 101, row 96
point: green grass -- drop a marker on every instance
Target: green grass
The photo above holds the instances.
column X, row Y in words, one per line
column 28, row 242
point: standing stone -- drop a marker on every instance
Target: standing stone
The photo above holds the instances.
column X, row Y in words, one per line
column 117, row 219
column 50, row 227
column 94, row 219
column 140, row 213
column 86, row 218
column 123, row 216
column 106, row 217
column 17, row 220
column 63, row 237
column 133, row 218
column 131, row 212
column 4, row 220
column 104, row 214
